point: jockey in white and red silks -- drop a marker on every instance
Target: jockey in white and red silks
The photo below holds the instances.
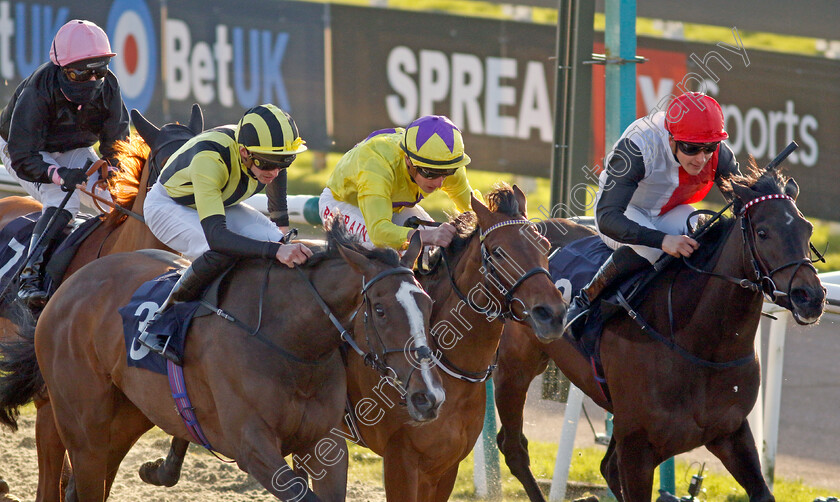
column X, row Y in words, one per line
column 660, row 166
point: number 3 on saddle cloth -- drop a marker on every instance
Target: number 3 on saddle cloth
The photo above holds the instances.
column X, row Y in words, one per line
column 14, row 248
column 571, row 268
column 173, row 322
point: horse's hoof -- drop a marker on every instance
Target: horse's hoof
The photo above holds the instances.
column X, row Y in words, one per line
column 149, row 472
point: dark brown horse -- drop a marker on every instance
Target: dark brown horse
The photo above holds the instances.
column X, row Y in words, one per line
column 494, row 268
column 139, row 158
column 697, row 387
column 257, row 398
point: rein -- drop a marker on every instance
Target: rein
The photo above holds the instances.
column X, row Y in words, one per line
column 762, row 284
column 508, row 312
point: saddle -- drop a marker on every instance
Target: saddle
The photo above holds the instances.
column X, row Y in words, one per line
column 14, row 248
column 571, row 269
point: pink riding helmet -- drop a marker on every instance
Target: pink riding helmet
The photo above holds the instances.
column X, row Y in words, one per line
column 78, row 40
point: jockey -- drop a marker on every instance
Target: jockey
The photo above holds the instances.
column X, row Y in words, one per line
column 49, row 127
column 196, row 206
column 657, row 168
column 377, row 184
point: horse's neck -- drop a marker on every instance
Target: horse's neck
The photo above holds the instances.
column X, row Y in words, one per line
column 468, row 338
column 132, row 233
column 734, row 310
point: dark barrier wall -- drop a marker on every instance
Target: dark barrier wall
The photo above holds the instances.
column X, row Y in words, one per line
column 384, row 68
column 227, row 56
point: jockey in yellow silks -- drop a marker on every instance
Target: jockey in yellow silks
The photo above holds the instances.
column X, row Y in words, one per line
column 377, row 185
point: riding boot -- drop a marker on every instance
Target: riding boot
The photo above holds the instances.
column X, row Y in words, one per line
column 31, row 290
column 623, row 263
column 189, row 287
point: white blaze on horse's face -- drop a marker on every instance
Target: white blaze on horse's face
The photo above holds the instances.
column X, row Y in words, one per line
column 412, row 311
column 405, row 295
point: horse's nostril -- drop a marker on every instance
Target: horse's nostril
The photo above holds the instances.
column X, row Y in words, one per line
column 541, row 313
column 800, row 296
column 422, row 401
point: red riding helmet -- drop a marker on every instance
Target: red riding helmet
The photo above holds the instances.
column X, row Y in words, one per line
column 695, row 118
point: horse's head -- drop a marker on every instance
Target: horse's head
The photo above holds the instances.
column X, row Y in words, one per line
column 777, row 238
column 514, row 262
column 164, row 141
column 395, row 322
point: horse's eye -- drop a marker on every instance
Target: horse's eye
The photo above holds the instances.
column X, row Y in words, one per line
column 380, row 310
column 762, row 234
column 498, row 253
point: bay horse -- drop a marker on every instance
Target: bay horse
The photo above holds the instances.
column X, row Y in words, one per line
column 258, row 398
column 493, row 272
column 140, row 158
column 696, row 386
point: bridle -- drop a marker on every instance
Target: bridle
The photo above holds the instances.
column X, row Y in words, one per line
column 492, row 273
column 495, row 276
column 372, row 358
column 761, row 272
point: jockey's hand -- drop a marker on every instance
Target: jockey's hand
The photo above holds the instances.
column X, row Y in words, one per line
column 68, row 178
column 440, row 236
column 679, row 245
column 292, row 255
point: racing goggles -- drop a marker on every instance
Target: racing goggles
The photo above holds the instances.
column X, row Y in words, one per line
column 84, row 74
column 433, row 174
column 692, row 149
column 270, row 165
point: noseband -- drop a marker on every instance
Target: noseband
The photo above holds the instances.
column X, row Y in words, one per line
column 495, row 276
column 763, row 274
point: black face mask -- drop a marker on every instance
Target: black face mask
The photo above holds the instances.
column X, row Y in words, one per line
column 79, row 92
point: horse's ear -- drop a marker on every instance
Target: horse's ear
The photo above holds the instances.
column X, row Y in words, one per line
column 478, row 207
column 521, row 200
column 357, row 261
column 148, row 131
column 743, row 192
column 415, row 246
column 196, row 119
column 792, row 189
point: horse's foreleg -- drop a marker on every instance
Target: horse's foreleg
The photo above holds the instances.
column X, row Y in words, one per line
column 739, row 455
column 636, row 465
column 166, row 472
column 261, row 457
column 517, row 368
column 609, row 469
column 445, row 485
column 50, row 453
column 333, row 484
column 402, row 474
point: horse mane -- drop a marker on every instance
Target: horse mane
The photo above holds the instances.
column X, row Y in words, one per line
column 338, row 236
column 501, row 199
column 759, row 180
column 124, row 184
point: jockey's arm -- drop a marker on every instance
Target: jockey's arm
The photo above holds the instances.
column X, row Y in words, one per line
column 276, row 193
column 27, row 137
column 377, row 212
column 625, row 170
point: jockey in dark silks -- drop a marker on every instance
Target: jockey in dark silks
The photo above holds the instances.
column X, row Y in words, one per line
column 48, row 129
column 196, row 205
column 660, row 166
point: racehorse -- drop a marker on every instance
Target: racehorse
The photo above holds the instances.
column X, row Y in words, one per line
column 493, row 271
column 139, row 158
column 695, row 386
column 268, row 386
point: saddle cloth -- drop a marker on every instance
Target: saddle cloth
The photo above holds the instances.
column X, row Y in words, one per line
column 14, row 247
column 174, row 322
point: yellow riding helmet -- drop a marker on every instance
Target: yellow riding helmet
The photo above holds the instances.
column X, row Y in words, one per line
column 269, row 132
column 434, row 142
